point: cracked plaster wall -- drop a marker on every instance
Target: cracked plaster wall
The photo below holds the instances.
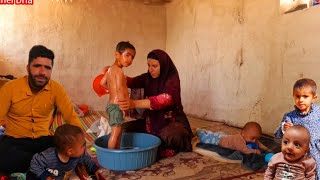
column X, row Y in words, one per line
column 83, row 34
column 238, row 59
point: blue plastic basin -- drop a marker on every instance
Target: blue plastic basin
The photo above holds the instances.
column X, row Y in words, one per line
column 137, row 151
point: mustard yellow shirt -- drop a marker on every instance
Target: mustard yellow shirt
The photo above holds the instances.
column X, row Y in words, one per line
column 29, row 115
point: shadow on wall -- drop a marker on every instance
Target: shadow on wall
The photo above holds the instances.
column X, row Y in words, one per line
column 3, row 67
column 5, row 70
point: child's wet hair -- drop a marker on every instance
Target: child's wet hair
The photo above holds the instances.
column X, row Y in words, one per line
column 305, row 82
column 123, row 45
column 66, row 135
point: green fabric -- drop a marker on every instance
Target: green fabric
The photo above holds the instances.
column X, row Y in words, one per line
column 114, row 114
column 18, row 176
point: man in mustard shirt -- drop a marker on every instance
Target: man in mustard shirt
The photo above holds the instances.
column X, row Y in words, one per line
column 27, row 105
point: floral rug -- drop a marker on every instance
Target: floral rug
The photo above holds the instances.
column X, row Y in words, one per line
column 183, row 166
column 186, row 166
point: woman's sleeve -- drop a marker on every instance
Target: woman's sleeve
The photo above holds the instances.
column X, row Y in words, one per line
column 160, row 101
column 137, row 82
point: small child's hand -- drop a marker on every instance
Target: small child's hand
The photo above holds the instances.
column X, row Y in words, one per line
column 50, row 178
column 99, row 175
column 269, row 150
column 81, row 172
column 258, row 151
column 287, row 125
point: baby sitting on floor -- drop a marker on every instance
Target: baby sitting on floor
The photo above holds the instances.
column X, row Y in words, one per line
column 293, row 162
column 250, row 133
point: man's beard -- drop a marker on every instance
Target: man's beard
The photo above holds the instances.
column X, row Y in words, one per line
column 34, row 83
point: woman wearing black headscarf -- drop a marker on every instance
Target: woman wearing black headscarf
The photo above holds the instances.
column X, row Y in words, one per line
column 164, row 116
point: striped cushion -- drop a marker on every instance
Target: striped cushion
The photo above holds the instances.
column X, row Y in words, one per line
column 86, row 121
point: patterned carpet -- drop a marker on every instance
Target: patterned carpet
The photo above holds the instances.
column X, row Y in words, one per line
column 183, row 166
column 186, row 166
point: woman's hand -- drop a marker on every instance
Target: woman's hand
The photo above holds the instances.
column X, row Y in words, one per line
column 125, row 104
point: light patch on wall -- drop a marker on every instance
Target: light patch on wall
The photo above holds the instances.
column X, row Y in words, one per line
column 287, row 6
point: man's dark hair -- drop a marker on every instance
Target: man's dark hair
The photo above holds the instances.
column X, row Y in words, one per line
column 65, row 136
column 40, row 51
column 123, row 45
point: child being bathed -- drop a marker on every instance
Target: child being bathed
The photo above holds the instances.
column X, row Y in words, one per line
column 115, row 81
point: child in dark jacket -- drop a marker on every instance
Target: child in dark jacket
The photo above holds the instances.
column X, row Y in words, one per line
column 61, row 161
